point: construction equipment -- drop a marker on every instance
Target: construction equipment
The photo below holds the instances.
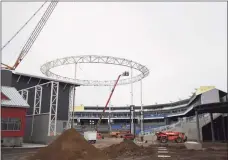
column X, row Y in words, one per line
column 110, row 96
column 119, row 134
column 114, row 134
column 33, row 35
column 99, row 136
column 166, row 136
column 129, row 136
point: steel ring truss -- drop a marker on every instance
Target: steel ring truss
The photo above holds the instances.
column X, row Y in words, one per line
column 45, row 69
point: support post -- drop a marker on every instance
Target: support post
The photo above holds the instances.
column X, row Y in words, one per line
column 109, row 115
column 197, row 126
column 38, row 99
column 224, row 127
column 36, row 105
column 70, row 109
column 212, row 128
column 75, row 73
column 53, row 108
column 132, row 126
column 142, row 126
column 72, row 120
column 131, row 106
column 131, row 86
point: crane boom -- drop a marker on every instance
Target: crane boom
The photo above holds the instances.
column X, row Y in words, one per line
column 35, row 33
column 110, row 96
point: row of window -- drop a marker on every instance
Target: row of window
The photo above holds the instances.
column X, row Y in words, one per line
column 10, row 124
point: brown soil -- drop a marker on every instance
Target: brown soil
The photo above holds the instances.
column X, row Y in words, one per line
column 69, row 146
column 126, row 148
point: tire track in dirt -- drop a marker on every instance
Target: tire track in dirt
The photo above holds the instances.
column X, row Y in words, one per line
column 163, row 152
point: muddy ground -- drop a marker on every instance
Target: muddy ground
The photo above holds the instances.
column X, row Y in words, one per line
column 172, row 151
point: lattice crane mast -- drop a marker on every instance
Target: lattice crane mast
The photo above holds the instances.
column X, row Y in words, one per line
column 33, row 35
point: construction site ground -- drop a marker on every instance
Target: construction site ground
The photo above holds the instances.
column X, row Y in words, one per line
column 170, row 151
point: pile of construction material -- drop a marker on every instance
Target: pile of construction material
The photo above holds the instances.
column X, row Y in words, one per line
column 125, row 149
column 71, row 145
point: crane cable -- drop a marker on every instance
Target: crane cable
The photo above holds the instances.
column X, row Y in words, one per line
column 24, row 25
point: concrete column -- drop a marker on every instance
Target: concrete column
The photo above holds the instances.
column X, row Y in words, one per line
column 223, row 128
column 227, row 126
column 212, row 128
column 197, row 126
column 167, row 121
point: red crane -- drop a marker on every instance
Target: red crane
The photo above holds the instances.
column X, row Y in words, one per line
column 109, row 98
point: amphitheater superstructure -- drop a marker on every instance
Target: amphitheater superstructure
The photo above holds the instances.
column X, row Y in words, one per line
column 118, row 117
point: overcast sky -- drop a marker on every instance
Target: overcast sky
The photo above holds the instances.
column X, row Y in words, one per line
column 184, row 45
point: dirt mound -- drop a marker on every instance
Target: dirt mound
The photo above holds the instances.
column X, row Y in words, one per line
column 125, row 148
column 70, row 146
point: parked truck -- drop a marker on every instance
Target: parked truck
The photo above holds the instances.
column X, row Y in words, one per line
column 91, row 136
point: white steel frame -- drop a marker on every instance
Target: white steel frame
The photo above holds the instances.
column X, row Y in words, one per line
column 37, row 100
column 53, row 104
column 53, row 108
column 45, row 69
column 70, row 110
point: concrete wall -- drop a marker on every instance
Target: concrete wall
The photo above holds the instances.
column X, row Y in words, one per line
column 12, row 141
column 189, row 129
column 40, row 129
column 6, row 78
column 211, row 96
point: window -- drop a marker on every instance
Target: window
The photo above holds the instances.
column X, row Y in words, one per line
column 10, row 124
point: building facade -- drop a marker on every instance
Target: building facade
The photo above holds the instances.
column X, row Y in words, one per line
column 13, row 115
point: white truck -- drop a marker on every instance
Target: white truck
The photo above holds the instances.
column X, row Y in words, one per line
column 91, row 136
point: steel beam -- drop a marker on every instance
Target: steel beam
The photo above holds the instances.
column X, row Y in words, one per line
column 29, row 80
column 144, row 72
column 212, row 127
column 70, row 107
column 36, row 106
column 197, row 126
column 18, row 78
column 24, row 94
column 141, row 112
column 37, row 100
column 53, row 108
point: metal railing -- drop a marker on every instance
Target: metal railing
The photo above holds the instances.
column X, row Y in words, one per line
column 203, row 118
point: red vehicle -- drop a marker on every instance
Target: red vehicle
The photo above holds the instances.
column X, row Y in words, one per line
column 100, row 136
column 128, row 137
column 166, row 136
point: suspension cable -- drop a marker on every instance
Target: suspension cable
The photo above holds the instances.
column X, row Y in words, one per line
column 24, row 25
